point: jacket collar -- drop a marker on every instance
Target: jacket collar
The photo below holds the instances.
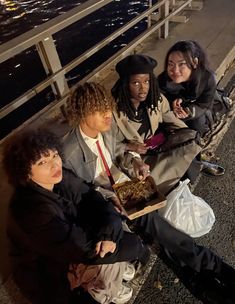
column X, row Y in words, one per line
column 123, row 120
column 31, row 186
column 88, row 155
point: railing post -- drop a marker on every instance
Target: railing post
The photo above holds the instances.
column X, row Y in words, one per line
column 149, row 16
column 51, row 63
column 164, row 12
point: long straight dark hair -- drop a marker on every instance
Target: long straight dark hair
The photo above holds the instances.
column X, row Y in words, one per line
column 190, row 50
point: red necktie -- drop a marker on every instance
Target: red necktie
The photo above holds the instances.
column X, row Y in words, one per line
column 112, row 182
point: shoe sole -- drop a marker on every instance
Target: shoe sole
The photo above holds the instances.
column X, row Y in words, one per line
column 212, row 175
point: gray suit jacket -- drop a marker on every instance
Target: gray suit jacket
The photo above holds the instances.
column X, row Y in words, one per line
column 82, row 161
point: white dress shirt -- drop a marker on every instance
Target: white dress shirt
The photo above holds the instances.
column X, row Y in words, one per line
column 101, row 177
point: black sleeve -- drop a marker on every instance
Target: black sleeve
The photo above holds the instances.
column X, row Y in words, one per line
column 205, row 98
column 99, row 217
column 167, row 88
column 47, row 232
column 54, row 228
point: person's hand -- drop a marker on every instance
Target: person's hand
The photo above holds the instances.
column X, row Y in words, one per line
column 177, row 103
column 137, row 147
column 104, row 247
column 178, row 110
column 181, row 113
column 118, row 206
column 141, row 169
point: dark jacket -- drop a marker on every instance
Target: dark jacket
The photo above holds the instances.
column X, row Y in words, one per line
column 48, row 230
column 197, row 94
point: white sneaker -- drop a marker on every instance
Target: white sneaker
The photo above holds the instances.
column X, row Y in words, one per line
column 123, row 296
column 129, row 272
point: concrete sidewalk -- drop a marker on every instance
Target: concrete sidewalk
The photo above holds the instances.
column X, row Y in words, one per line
column 213, row 27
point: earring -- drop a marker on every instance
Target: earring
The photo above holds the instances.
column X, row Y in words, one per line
column 195, row 62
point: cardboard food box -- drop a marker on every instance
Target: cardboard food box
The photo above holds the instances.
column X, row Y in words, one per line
column 139, row 197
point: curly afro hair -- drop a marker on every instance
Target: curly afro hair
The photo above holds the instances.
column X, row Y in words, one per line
column 24, row 149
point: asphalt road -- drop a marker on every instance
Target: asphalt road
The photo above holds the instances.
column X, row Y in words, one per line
column 219, row 193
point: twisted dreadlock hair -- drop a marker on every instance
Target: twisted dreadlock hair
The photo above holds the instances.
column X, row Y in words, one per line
column 88, row 99
column 121, row 94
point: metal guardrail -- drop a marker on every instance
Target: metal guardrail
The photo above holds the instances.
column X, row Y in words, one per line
column 42, row 38
column 32, row 37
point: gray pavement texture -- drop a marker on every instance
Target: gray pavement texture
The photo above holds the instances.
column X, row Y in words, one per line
column 219, row 193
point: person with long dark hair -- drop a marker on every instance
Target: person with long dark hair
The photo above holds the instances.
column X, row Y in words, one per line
column 190, row 86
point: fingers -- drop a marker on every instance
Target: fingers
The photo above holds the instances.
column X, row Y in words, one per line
column 177, row 103
column 118, row 209
column 98, row 248
column 107, row 246
column 124, row 212
column 121, row 210
column 117, row 204
column 102, row 253
column 141, row 169
column 180, row 113
column 142, row 149
column 145, row 173
column 139, row 148
column 183, row 114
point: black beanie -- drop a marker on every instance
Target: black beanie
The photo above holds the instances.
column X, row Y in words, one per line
column 135, row 64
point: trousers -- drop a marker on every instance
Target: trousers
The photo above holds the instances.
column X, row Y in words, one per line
column 202, row 124
column 180, row 245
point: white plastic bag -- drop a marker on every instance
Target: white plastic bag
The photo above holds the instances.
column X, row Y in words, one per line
column 188, row 212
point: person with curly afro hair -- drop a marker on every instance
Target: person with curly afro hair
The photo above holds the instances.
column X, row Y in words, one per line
column 60, row 228
column 24, row 150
